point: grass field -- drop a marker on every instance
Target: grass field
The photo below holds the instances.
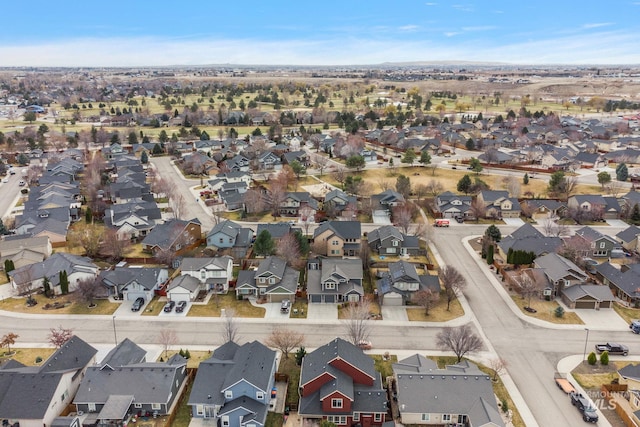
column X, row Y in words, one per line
column 27, row 356
column 70, row 306
column 627, row 313
column 438, row 313
column 228, row 302
column 546, row 311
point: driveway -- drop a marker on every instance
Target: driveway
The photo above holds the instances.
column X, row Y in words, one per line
column 395, row 313
column 617, row 223
column 599, row 318
column 516, row 222
column 381, row 217
column 322, row 311
column 125, row 309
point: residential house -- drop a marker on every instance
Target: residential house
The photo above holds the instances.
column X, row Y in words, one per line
column 132, row 220
column 273, row 280
column 629, row 400
column 337, row 201
column 214, row 273
column 76, row 267
column 402, row 281
column 300, row 156
column 389, row 241
column 229, row 235
column 529, row 239
column 338, row 238
column 593, row 243
column 295, row 204
column 386, row 200
column 594, row 206
column 629, row 200
column 498, row 204
column 624, row 281
column 542, row 209
column 277, row 230
column 332, row 280
column 339, row 384
column 233, row 387
column 450, row 205
column 268, row 161
column 591, row 160
column 122, row 385
column 370, row 156
column 33, row 396
column 459, row 394
column 561, row 272
column 628, row 238
column 239, row 163
column 184, row 288
column 175, row 235
column 131, row 282
column 24, row 250
column 594, row 297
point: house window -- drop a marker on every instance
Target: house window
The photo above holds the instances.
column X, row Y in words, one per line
column 155, row 406
column 337, row 419
column 228, row 394
column 395, row 243
column 203, row 274
column 446, row 417
column 356, row 416
column 137, row 405
column 262, row 280
column 259, row 395
column 221, row 240
column 329, row 285
column 336, row 403
column 377, row 417
column 334, row 243
column 65, row 395
column 425, row 417
column 91, row 407
column 225, row 421
column 272, row 280
column 601, row 245
column 200, row 409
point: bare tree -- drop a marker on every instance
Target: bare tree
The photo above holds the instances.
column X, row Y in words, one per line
column 87, row 236
column 452, row 281
column 167, row 338
column 512, row 185
column 177, row 204
column 402, row 216
column 87, row 290
column 287, row 248
column 321, row 163
column 498, row 366
column 113, row 247
column 529, row 287
column 425, row 298
column 434, row 188
column 383, row 183
column 8, row 340
column 615, row 187
column 477, row 209
column 23, row 280
column 461, row 340
column 254, row 201
column 284, row 340
column 357, row 324
column 58, row 336
column 230, row 326
column 340, row 175
column 277, row 195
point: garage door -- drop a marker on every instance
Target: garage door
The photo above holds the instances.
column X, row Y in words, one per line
column 279, row 298
column 179, row 296
column 330, row 299
column 393, row 300
column 585, row 304
column 605, row 304
column 132, row 296
column 316, row 298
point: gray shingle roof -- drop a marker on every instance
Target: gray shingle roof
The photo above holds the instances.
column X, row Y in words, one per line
column 211, row 263
column 557, row 267
column 125, row 353
column 344, row 229
column 628, row 234
column 598, row 292
column 185, row 281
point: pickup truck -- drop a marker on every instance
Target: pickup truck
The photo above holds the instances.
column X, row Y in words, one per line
column 613, row 348
column 583, row 404
column 563, row 383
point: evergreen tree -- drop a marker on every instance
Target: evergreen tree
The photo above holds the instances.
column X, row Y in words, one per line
column 264, row 244
column 622, row 172
column 592, row 358
column 470, row 145
column 64, row 282
column 8, row 265
column 144, row 158
column 604, row 358
column 46, row 285
column 88, row 215
column 635, row 214
column 490, row 255
column 464, row 185
column 409, row 156
column 493, row 233
column 157, row 149
column 303, row 243
column 525, row 179
column 300, row 355
column 425, row 158
column 3, row 229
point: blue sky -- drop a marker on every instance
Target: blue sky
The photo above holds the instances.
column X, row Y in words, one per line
column 330, row 32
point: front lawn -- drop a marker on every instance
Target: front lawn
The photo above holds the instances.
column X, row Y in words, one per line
column 545, row 310
column 27, row 356
column 66, row 303
column 627, row 313
column 154, row 307
column 241, row 308
column 438, row 313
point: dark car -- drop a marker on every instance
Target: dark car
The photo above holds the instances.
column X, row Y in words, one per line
column 459, row 219
column 181, row 306
column 168, row 307
column 589, row 413
column 613, row 348
column 137, row 304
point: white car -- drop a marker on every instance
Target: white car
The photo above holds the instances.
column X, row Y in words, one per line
column 5, row 179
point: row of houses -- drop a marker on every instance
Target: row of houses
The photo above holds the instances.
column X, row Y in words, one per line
column 235, row 386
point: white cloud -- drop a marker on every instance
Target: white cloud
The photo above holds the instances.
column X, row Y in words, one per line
column 451, row 33
column 409, row 28
column 431, row 4
column 597, row 25
column 480, row 28
column 463, row 7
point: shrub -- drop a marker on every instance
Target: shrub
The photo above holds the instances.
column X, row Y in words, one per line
column 559, row 312
column 505, row 406
column 604, row 358
column 38, row 359
column 592, row 358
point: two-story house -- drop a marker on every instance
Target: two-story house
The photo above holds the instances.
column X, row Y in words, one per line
column 338, row 238
column 233, row 387
column 459, row 394
column 268, row 161
column 132, row 282
column 238, row 163
column 560, row 271
column 230, row 235
column 498, row 204
column 397, row 286
column 543, row 209
column 296, row 202
column 337, row 201
column 628, row 238
column 594, row 206
column 215, row 273
column 450, row 205
column 590, row 242
column 274, row 281
column 332, row 280
column 388, row 240
column 339, row 383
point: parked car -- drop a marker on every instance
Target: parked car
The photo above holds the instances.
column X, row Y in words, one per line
column 137, row 304
column 168, row 307
column 181, row 306
column 285, row 305
column 588, row 412
column 613, row 348
column 459, row 219
column 635, row 326
column 365, row 345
